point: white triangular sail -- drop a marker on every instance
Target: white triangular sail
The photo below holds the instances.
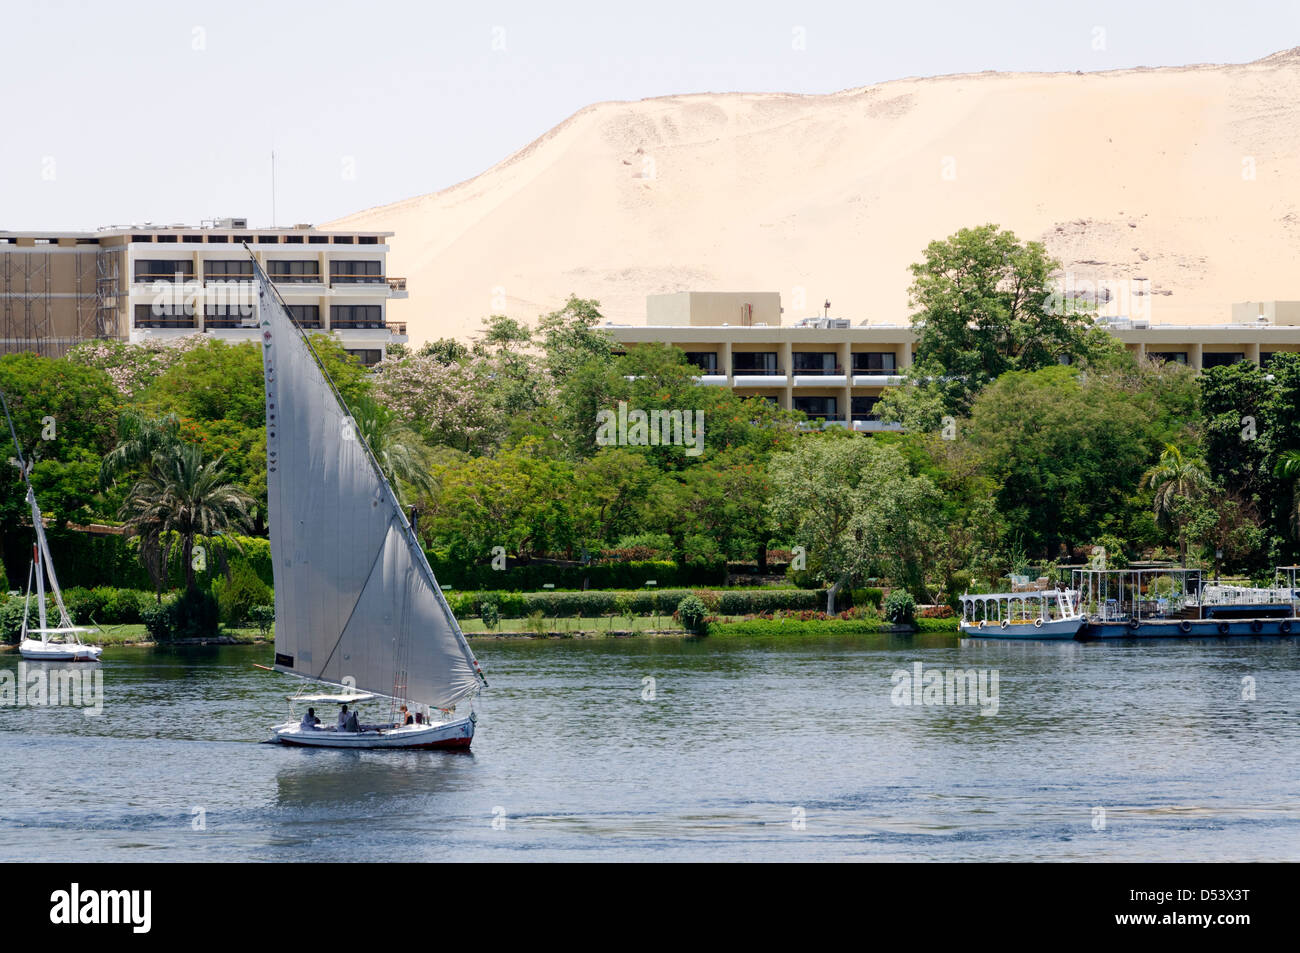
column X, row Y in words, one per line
column 356, row 603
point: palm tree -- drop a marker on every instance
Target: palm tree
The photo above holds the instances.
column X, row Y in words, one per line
column 1175, row 478
column 138, row 439
column 180, row 498
column 401, row 454
column 1288, row 468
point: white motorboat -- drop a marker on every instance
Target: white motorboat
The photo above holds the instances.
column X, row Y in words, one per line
column 1034, row 614
column 357, row 608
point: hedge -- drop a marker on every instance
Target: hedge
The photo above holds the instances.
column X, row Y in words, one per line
column 522, row 577
column 95, row 559
column 594, row 603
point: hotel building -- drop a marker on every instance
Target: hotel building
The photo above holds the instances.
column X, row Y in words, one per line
column 833, row 369
column 158, row 282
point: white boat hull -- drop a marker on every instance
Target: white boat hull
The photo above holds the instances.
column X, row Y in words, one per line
column 447, row 735
column 1048, row 629
column 59, row 651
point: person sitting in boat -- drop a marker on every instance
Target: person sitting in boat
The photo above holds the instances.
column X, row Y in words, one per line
column 310, row 720
column 419, row 717
column 404, row 717
column 343, row 718
column 352, row 724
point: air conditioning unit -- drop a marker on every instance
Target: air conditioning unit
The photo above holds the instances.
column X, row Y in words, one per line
column 1142, row 324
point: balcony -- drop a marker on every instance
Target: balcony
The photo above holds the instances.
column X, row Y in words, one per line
column 357, row 280
column 296, row 279
column 166, row 321
column 397, row 287
column 759, row 377
column 225, row 323
column 362, row 325
column 871, row 423
column 876, row 379
column 820, row 377
column 827, row 422
column 397, row 328
column 712, row 380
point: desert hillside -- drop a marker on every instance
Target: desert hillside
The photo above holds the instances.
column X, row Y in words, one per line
column 1188, row 177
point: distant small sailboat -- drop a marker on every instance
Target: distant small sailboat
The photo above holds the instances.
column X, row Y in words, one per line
column 60, row 643
column 357, row 608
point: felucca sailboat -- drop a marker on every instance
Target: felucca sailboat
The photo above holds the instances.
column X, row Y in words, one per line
column 62, row 642
column 357, row 609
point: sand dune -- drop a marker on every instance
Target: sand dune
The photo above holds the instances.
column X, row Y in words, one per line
column 1143, row 173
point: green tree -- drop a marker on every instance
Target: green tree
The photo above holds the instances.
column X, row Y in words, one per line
column 854, row 504
column 1288, row 468
column 183, row 497
column 1173, row 479
column 986, row 305
column 402, row 457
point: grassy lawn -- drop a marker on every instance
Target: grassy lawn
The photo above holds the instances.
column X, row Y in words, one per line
column 121, row 634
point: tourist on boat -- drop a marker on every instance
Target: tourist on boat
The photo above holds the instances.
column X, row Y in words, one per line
column 404, row 717
column 343, row 718
column 419, row 717
column 352, row 724
column 310, row 720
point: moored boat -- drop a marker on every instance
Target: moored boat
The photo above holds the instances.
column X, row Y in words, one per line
column 1034, row 614
column 45, row 643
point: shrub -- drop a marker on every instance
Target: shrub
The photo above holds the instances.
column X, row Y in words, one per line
column 537, row 623
column 489, row 613
column 691, row 613
column 866, row 597
column 194, row 615
column 157, row 620
column 900, row 607
column 237, row 595
column 936, row 612
column 263, row 617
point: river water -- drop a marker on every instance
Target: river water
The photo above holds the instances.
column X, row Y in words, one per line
column 789, row 750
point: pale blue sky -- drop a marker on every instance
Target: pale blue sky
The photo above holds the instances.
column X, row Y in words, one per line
column 168, row 111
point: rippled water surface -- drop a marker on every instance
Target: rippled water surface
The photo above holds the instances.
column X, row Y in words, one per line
column 748, row 750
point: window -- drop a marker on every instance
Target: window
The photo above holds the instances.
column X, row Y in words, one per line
column 229, row 316
column 218, row 239
column 342, row 239
column 814, row 362
column 1221, row 358
column 706, row 361
column 816, row 407
column 141, row 238
column 239, row 270
column 168, row 316
column 318, row 239
column 368, row 357
column 307, row 315
column 356, row 316
column 368, row 240
column 356, row 272
column 873, row 362
column 1169, row 357
column 268, row 239
column 294, row 271
column 192, row 238
column 864, row 408
column 753, row 362
column 157, row 270
column 165, row 238
column 293, row 239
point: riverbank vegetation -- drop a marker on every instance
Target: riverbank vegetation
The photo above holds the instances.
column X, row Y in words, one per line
column 150, row 462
